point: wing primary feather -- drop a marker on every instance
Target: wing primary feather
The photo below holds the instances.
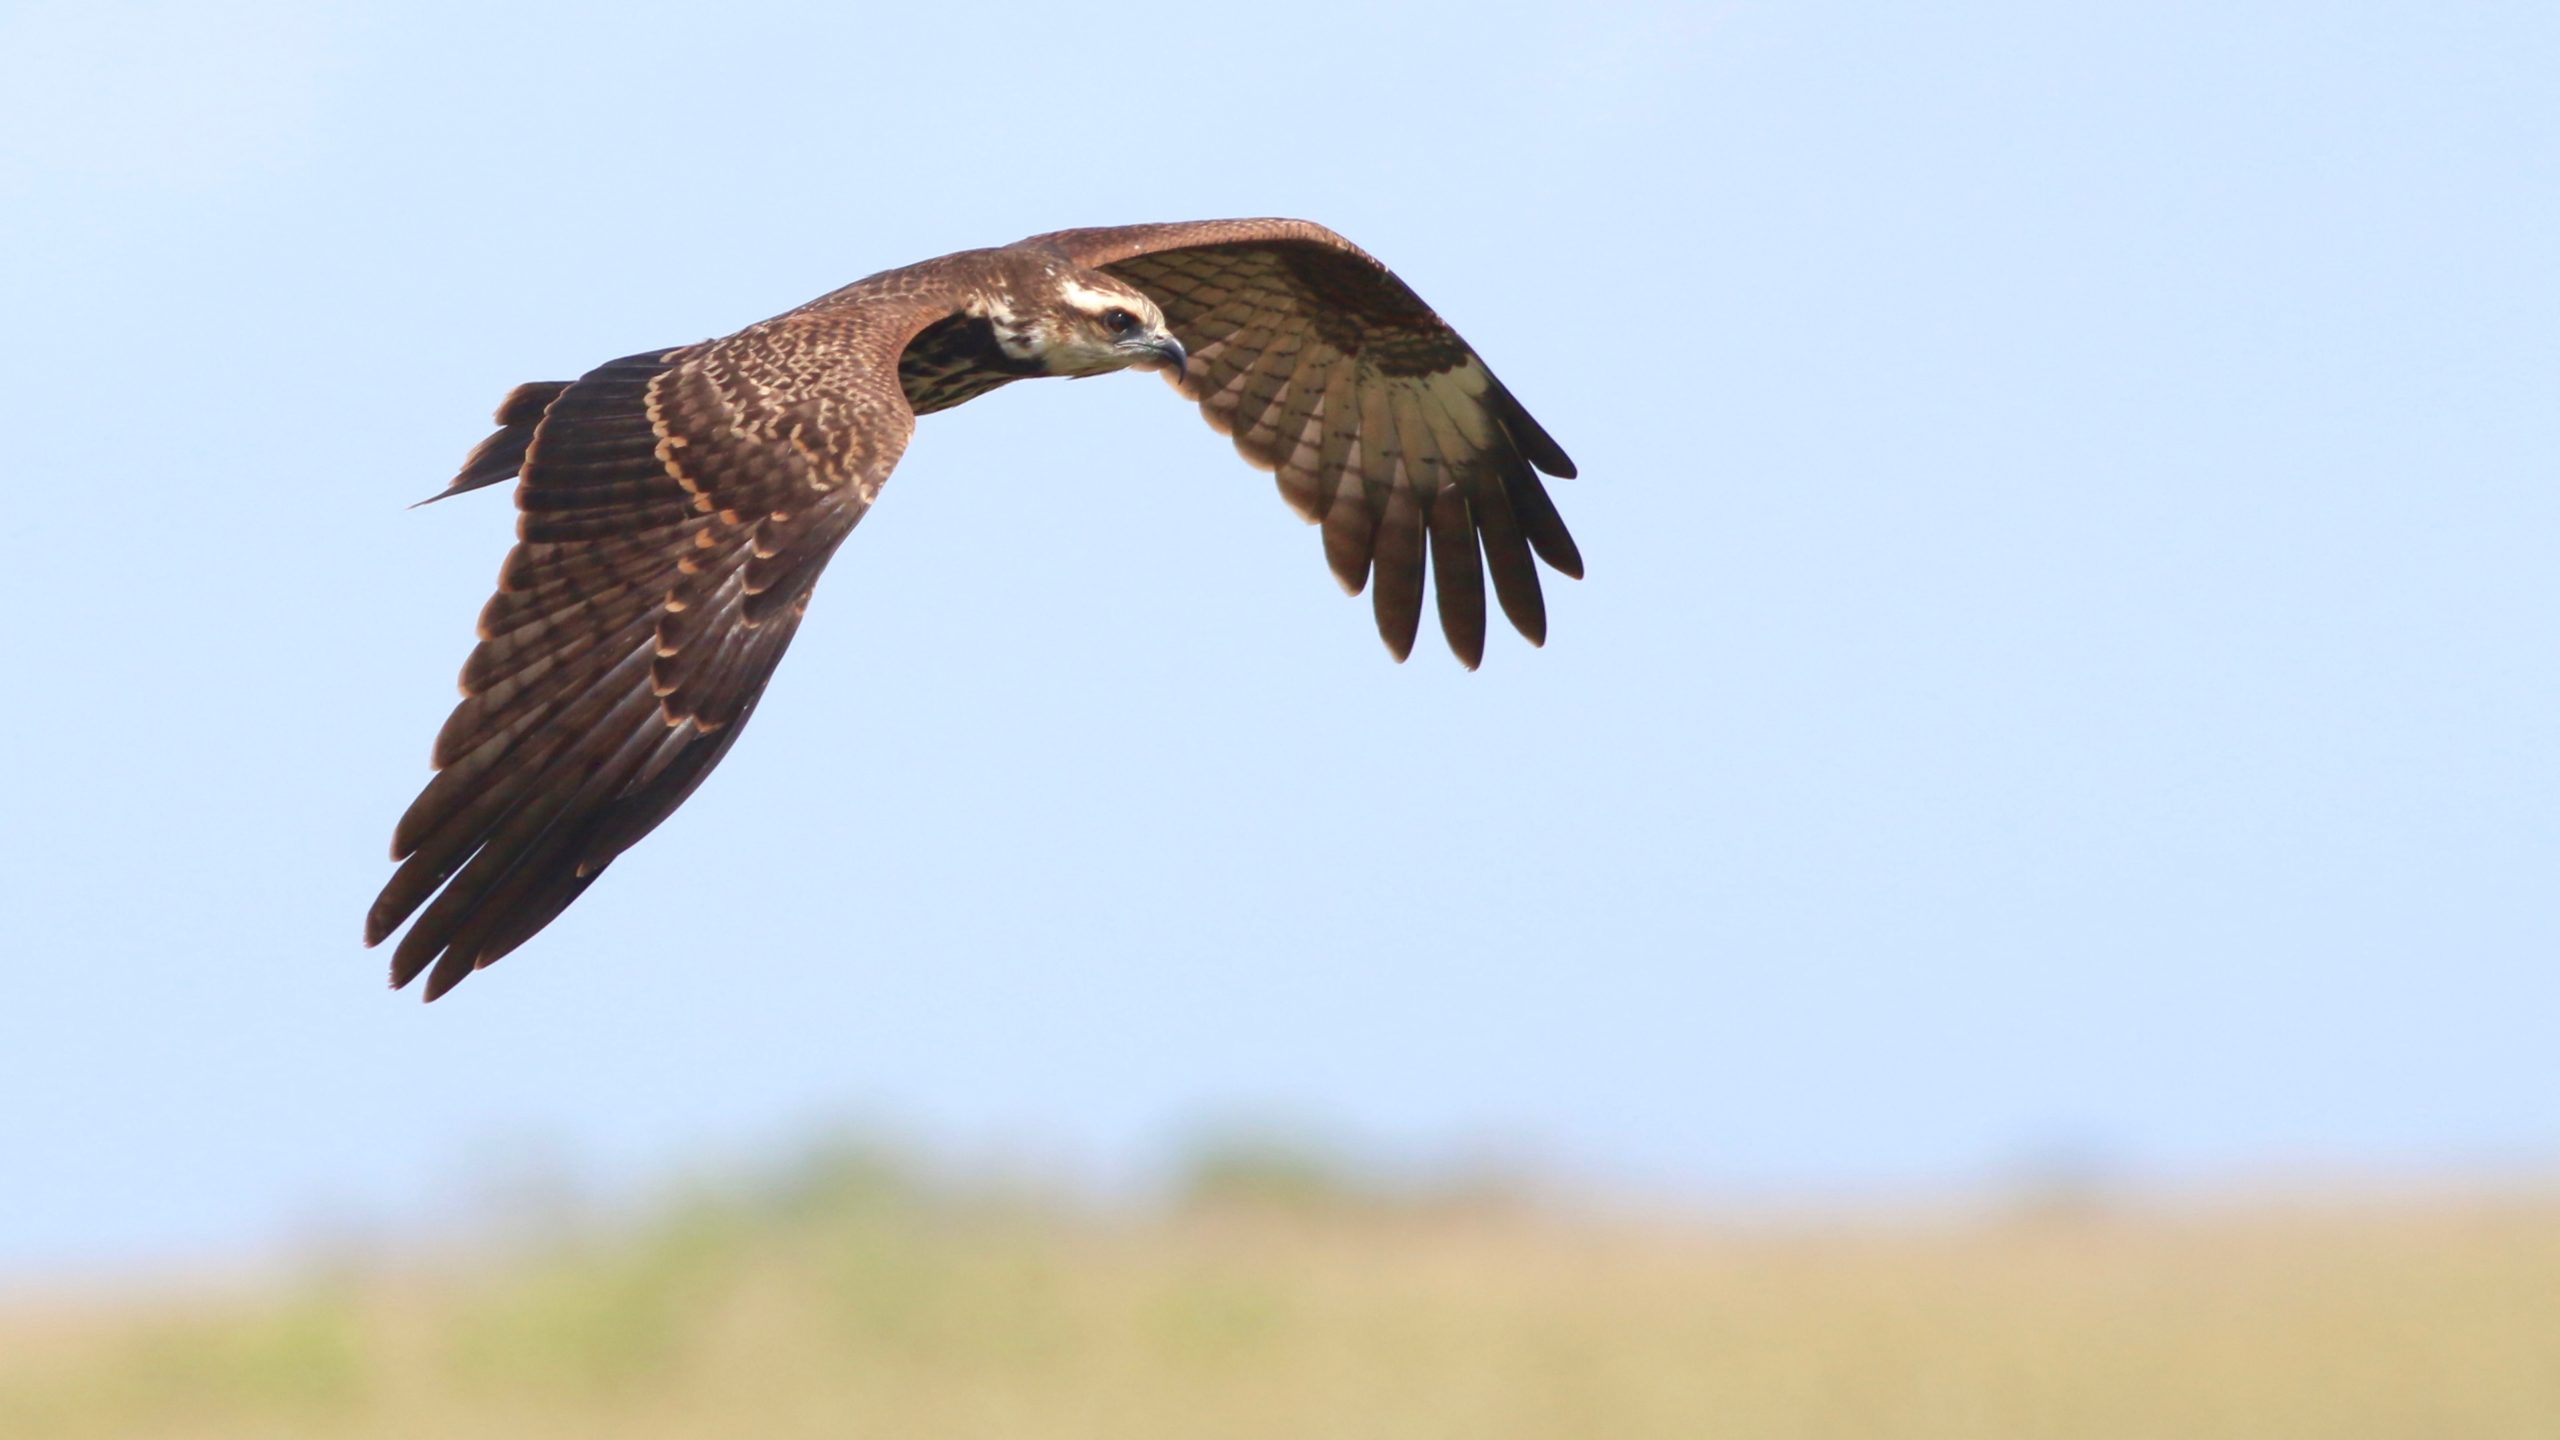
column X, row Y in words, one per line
column 471, row 797
column 579, row 627
column 1348, row 530
column 1397, row 595
column 666, row 786
column 563, row 671
column 1536, row 512
column 1457, row 575
column 1515, row 573
column 541, row 860
column 644, row 518
column 1532, row 438
column 1300, row 470
column 468, row 785
column 540, row 800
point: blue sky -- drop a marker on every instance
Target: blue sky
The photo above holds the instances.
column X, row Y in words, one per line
column 2068, row 661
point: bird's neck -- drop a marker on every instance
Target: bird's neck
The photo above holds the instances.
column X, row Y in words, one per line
column 959, row 358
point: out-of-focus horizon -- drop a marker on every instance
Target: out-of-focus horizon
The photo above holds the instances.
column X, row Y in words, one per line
column 2066, row 683
column 1278, row 1290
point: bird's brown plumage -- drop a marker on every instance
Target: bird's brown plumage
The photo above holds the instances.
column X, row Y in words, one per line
column 1380, row 422
column 677, row 506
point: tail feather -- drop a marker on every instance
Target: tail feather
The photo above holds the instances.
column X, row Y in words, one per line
column 501, row 455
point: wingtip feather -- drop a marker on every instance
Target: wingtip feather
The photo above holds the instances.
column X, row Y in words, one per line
column 448, row 973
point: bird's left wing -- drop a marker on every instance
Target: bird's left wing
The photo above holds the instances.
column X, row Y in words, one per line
column 677, row 507
column 1380, row 421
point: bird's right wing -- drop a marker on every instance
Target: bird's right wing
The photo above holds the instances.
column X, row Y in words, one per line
column 1382, row 423
column 676, row 507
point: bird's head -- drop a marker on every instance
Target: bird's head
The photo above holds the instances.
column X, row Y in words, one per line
column 1089, row 323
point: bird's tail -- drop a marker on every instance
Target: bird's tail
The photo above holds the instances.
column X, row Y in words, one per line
column 501, row 455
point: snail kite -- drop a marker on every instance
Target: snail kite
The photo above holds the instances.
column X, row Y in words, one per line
column 677, row 506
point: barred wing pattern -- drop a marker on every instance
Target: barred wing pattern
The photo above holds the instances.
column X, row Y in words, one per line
column 1381, row 424
column 677, row 508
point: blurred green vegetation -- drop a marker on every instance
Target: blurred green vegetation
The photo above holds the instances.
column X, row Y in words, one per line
column 1283, row 1293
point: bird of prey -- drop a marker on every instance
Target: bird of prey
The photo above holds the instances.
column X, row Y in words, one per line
column 677, row 505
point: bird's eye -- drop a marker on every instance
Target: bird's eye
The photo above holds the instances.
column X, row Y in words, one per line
column 1119, row 322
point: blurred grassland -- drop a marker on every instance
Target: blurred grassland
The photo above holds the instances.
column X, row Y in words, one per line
column 1271, row 1304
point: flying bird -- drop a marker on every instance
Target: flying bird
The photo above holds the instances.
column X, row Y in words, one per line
column 676, row 507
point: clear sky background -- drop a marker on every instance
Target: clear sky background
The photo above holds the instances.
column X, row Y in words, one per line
column 2072, row 495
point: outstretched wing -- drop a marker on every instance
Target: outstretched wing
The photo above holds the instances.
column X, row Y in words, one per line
column 677, row 508
column 1381, row 423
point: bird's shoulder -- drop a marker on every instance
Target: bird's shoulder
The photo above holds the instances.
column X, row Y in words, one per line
column 1103, row 245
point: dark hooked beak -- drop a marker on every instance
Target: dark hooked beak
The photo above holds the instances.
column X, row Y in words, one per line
column 1169, row 352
